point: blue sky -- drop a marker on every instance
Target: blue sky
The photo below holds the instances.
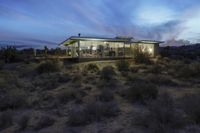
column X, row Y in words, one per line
column 48, row 22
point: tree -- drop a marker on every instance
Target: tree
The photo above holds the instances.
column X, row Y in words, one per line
column 140, row 56
column 45, row 50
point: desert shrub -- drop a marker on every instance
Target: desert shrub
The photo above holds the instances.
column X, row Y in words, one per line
column 107, row 73
column 66, row 95
column 187, row 61
column 78, row 116
column 141, row 57
column 162, row 116
column 189, row 70
column 97, row 110
column 93, row 111
column 195, row 69
column 93, row 68
column 1, row 65
column 77, row 80
column 42, row 122
column 44, row 100
column 64, row 78
column 157, row 69
column 160, row 80
column 133, row 78
column 9, row 54
column 190, row 129
column 69, row 94
column 175, row 64
column 9, row 80
column 107, row 84
column 46, row 82
column 90, row 79
column 6, row 119
column 184, row 72
column 23, row 122
column 141, row 92
column 123, row 65
column 106, row 95
column 88, row 88
column 12, row 101
column 195, row 66
column 76, row 77
column 134, row 69
column 190, row 104
column 49, row 66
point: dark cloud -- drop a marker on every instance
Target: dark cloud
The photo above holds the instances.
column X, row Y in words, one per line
column 43, row 42
column 118, row 20
column 50, row 22
column 26, row 42
column 174, row 42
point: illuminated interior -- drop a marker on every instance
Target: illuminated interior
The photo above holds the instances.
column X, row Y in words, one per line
column 90, row 49
column 149, row 48
column 83, row 47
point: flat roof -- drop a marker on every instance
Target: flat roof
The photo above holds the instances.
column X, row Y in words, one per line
column 148, row 41
column 74, row 39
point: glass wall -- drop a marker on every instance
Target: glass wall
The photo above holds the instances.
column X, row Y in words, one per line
column 72, row 50
column 100, row 49
column 149, row 48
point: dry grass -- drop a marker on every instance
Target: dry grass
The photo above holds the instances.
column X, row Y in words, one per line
column 92, row 111
column 103, row 94
column 141, row 92
column 161, row 116
column 6, row 119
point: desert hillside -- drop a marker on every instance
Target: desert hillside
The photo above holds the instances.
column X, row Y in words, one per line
column 100, row 97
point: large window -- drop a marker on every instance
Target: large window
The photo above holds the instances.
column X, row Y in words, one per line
column 149, row 48
column 100, row 49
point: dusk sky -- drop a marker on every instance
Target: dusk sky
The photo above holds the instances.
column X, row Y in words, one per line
column 49, row 22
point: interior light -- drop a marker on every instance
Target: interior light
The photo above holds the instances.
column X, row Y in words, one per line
column 94, row 48
column 150, row 50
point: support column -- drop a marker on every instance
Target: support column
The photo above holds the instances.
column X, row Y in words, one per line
column 130, row 52
column 124, row 50
column 79, row 51
column 73, row 50
column 34, row 52
column 116, row 50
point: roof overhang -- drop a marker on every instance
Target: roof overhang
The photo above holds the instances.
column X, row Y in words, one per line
column 75, row 39
column 149, row 41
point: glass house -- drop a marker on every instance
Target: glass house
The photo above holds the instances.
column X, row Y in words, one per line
column 96, row 47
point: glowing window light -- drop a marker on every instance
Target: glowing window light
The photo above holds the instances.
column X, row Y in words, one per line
column 94, row 48
column 150, row 50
